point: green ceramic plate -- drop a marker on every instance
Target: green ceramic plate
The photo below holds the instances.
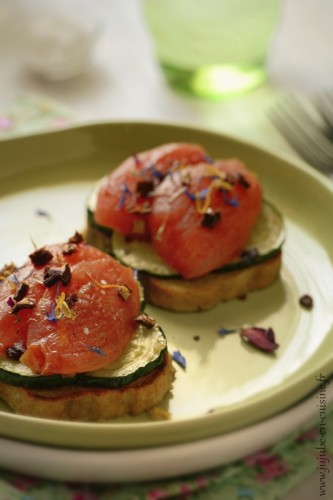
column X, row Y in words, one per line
column 45, row 180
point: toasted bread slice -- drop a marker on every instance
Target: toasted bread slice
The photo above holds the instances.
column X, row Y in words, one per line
column 204, row 293
column 92, row 404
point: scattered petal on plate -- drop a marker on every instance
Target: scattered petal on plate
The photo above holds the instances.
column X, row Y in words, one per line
column 262, row 338
column 179, row 358
column 225, row 331
column 306, row 301
column 41, row 212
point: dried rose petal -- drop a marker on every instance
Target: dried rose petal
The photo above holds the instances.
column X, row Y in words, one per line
column 10, row 302
column 144, row 187
column 23, row 304
column 69, row 248
column 243, row 181
column 16, row 351
column 41, row 257
column 76, row 238
column 51, row 276
column 124, row 292
column 71, row 299
column 306, row 301
column 261, row 338
column 66, row 275
column 21, row 292
column 210, row 218
column 145, row 320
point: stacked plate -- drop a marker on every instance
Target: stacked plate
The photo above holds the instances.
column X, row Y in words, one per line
column 231, row 399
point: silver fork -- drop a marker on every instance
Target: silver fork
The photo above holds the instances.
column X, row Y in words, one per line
column 308, row 129
column 324, row 103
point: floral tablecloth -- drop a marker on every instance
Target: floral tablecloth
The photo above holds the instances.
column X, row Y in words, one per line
column 265, row 475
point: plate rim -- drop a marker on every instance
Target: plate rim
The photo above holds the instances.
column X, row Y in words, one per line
column 299, row 165
column 288, row 157
column 157, row 463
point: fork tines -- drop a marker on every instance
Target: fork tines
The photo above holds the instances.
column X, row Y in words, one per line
column 324, row 105
column 307, row 132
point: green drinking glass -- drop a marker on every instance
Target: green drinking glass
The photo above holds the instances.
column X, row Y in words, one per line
column 212, row 48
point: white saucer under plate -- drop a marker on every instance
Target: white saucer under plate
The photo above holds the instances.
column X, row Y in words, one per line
column 158, row 462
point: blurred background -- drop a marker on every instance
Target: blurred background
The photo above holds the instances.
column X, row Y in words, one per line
column 108, row 70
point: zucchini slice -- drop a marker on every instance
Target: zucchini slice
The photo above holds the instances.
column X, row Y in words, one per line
column 145, row 352
column 266, row 241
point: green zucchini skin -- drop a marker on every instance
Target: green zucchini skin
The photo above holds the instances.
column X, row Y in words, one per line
column 82, row 379
column 233, row 266
column 248, row 261
column 102, row 237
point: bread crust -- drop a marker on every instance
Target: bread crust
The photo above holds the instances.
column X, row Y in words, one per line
column 92, row 404
column 203, row 293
